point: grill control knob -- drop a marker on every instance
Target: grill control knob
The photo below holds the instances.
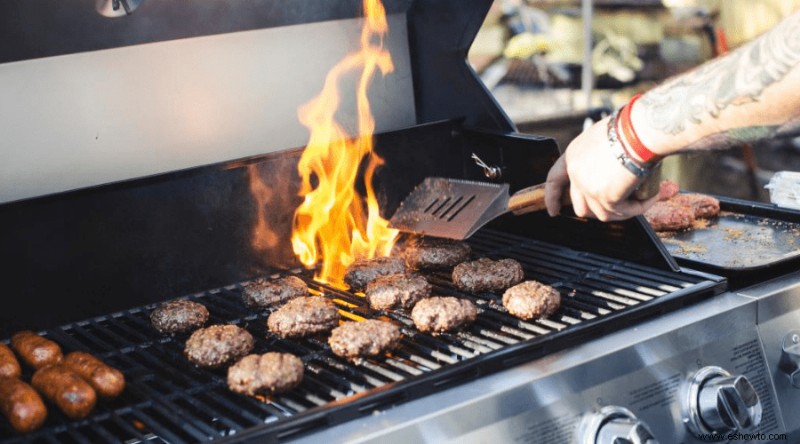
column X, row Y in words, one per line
column 790, row 357
column 614, row 425
column 718, row 402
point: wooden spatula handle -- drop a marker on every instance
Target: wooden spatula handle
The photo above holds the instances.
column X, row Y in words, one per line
column 527, row 200
column 531, row 199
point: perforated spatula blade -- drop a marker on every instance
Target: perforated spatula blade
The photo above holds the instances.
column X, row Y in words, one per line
column 456, row 209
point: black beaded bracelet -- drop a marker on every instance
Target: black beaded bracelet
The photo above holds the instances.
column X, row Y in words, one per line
column 622, row 153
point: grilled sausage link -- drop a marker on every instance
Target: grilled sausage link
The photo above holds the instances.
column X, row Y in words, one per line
column 107, row 381
column 35, row 350
column 21, row 405
column 9, row 366
column 64, row 388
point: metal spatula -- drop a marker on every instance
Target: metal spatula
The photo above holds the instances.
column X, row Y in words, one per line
column 456, row 209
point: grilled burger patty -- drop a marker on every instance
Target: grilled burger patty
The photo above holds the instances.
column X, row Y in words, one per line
column 434, row 253
column 702, row 206
column 217, row 345
column 303, row 316
column 486, row 274
column 178, row 316
column 354, row 340
column 667, row 215
column 443, row 313
column 268, row 374
column 264, row 293
column 361, row 272
column 531, row 299
column 397, row 291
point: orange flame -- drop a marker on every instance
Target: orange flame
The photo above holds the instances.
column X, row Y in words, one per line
column 334, row 223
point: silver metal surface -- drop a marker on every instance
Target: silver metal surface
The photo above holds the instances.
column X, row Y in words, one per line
column 790, row 357
column 96, row 117
column 451, row 208
column 778, row 303
column 717, row 402
column 613, row 425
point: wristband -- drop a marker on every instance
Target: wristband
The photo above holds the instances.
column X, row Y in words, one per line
column 636, row 145
column 621, row 153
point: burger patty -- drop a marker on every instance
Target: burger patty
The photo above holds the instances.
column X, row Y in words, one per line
column 531, row 299
column 436, row 253
column 397, row 291
column 486, row 274
column 217, row 345
column 355, row 340
column 362, row 272
column 443, row 313
column 267, row 374
column 265, row 293
column 667, row 215
column 303, row 316
column 179, row 316
column 702, row 206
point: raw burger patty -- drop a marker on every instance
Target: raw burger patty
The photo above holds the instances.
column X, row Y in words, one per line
column 217, row 345
column 485, row 274
column 397, row 291
column 443, row 313
column 303, row 316
column 362, row 272
column 531, row 299
column 354, row 340
column 267, row 374
column 265, row 293
column 436, row 253
column 178, row 316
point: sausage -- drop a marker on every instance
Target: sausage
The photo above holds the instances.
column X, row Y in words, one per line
column 64, row 388
column 21, row 405
column 107, row 381
column 9, row 366
column 35, row 350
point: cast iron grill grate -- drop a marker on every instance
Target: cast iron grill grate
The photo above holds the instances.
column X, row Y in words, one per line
column 169, row 400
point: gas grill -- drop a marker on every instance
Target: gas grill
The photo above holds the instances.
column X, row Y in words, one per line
column 89, row 253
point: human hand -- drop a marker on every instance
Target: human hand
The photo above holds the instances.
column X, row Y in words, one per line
column 598, row 185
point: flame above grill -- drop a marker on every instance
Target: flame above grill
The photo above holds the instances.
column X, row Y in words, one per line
column 334, row 223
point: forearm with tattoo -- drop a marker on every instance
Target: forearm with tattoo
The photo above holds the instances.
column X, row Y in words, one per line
column 738, row 78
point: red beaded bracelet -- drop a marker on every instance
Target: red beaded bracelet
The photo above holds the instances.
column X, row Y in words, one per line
column 647, row 156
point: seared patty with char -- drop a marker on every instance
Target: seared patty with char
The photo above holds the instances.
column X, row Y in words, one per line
column 443, row 313
column 355, row 340
column 667, row 215
column 264, row 293
column 396, row 291
column 363, row 271
column 217, row 345
column 268, row 374
column 178, row 316
column 303, row 316
column 702, row 206
column 486, row 274
column 531, row 299
column 432, row 253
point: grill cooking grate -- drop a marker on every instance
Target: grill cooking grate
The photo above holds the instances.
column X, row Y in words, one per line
column 169, row 400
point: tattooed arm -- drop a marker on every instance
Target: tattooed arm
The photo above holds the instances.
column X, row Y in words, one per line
column 751, row 93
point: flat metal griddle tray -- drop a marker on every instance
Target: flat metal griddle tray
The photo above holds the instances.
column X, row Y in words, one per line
column 169, row 400
column 746, row 237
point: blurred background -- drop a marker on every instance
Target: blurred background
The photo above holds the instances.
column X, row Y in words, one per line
column 530, row 54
